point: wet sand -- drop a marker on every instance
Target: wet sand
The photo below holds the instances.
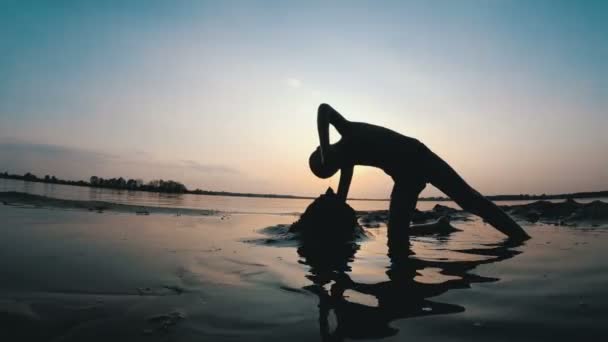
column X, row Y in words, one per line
column 76, row 275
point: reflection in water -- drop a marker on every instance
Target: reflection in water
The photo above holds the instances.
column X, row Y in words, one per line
column 402, row 296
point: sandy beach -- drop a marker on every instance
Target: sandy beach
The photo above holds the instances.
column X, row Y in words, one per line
column 80, row 275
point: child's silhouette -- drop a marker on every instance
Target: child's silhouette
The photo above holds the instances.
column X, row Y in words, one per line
column 408, row 161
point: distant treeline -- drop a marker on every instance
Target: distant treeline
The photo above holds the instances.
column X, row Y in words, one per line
column 157, row 185
column 170, row 186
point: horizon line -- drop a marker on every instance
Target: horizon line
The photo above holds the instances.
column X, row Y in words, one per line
column 30, row 177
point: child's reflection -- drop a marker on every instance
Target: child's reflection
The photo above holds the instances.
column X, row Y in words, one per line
column 399, row 297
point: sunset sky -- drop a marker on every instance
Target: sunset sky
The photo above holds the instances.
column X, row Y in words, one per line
column 223, row 95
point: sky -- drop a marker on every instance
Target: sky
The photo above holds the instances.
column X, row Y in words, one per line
column 222, row 95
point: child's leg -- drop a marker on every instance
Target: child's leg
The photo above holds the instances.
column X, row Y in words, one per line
column 449, row 182
column 403, row 202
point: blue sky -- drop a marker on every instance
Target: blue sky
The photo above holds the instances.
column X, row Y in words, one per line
column 222, row 95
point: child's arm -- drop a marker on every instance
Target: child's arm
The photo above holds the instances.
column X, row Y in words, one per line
column 346, row 175
column 325, row 116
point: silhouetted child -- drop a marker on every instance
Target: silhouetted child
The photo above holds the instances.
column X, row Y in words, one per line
column 408, row 161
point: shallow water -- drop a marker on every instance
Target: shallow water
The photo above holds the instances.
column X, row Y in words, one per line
column 79, row 275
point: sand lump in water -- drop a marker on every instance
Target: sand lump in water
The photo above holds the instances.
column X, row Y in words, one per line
column 326, row 220
column 569, row 212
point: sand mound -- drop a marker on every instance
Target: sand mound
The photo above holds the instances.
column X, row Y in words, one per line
column 326, row 221
column 439, row 215
column 328, row 218
column 568, row 212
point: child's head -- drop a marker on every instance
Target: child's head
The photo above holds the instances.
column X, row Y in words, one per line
column 322, row 170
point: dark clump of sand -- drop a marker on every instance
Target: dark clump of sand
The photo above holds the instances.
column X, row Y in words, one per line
column 326, row 222
column 328, row 218
column 568, row 212
column 435, row 221
column 418, row 216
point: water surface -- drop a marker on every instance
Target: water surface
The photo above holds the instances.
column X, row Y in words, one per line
column 79, row 275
